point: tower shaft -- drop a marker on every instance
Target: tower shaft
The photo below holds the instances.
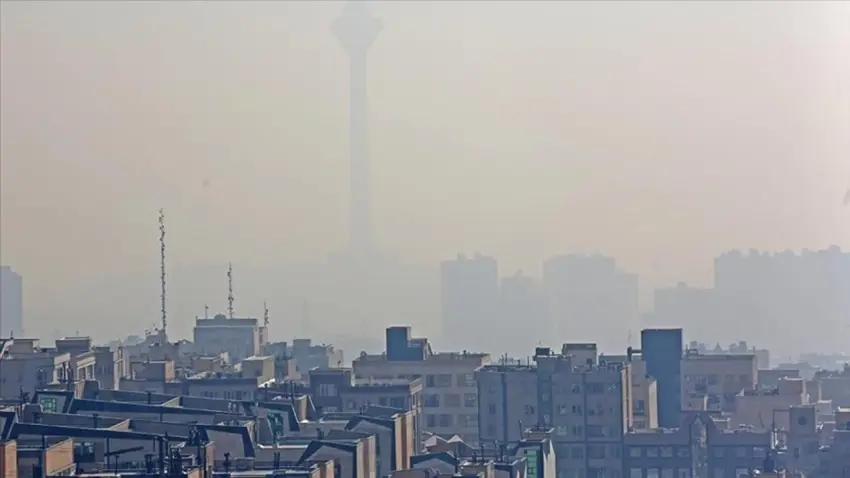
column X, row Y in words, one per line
column 360, row 192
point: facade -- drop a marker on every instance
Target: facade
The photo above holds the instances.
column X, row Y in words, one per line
column 25, row 367
column 662, row 352
column 11, row 303
column 450, row 395
column 587, row 405
column 698, row 448
column 469, row 294
column 720, row 377
column 239, row 337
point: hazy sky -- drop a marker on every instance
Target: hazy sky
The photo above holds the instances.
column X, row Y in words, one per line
column 659, row 133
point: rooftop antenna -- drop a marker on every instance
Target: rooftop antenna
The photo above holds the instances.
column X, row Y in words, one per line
column 206, row 311
column 265, row 314
column 230, row 290
column 162, row 266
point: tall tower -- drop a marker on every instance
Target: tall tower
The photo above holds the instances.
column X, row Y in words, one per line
column 357, row 30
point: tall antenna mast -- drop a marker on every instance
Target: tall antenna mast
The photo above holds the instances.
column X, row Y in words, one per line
column 206, row 311
column 265, row 314
column 230, row 290
column 162, row 267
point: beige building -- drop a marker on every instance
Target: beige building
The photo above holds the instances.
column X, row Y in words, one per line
column 721, row 377
column 644, row 390
column 588, row 405
column 769, row 408
column 450, row 395
column 239, row 337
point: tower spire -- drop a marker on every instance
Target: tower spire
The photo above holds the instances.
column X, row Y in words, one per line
column 230, row 290
column 265, row 314
column 162, row 268
column 357, row 30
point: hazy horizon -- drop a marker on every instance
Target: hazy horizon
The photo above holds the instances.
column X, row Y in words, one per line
column 658, row 133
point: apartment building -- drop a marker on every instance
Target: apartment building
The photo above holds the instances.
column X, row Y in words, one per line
column 767, row 408
column 450, row 394
column 26, row 367
column 721, row 377
column 698, row 448
column 644, row 389
column 587, row 404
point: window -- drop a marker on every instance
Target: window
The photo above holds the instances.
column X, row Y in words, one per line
column 717, row 452
column 576, row 388
column 578, row 430
column 635, row 473
column 577, row 410
column 432, row 401
column 451, row 399
column 529, row 410
column 595, row 431
column 653, row 473
column 652, row 452
column 561, row 430
column 712, row 379
column 383, row 401
column 430, row 420
column 398, row 402
column 48, row 404
column 577, row 452
column 640, row 407
column 470, row 400
column 596, row 451
column 351, row 405
column 430, row 381
column 668, row 473
column 635, row 452
column 327, row 390
column 595, row 388
column 445, row 420
column 741, row 452
column 684, row 473
column 468, row 420
column 759, row 452
column 491, row 409
column 683, row 452
column 443, row 380
column 563, row 409
column 466, row 380
column 667, row 452
column 742, row 472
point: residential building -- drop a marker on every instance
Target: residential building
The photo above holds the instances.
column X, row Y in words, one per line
column 698, row 448
column 661, row 350
column 450, row 395
column 309, row 356
column 522, row 315
column 644, row 389
column 26, row 367
column 11, row 303
column 588, row 406
column 721, row 377
column 768, row 408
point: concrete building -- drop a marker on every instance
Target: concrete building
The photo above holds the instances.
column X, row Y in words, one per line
column 644, row 390
column 720, row 377
column 662, row 350
column 26, row 367
column 11, row 303
column 309, row 356
column 698, row 448
column 469, row 295
column 522, row 314
column 588, row 406
column 766, row 408
column 450, row 395
column 239, row 337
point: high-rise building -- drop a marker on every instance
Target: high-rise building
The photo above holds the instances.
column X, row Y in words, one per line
column 662, row 352
column 590, row 297
column 11, row 303
column 469, row 294
column 522, row 316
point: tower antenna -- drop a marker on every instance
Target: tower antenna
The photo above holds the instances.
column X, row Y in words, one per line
column 265, row 314
column 162, row 267
column 206, row 311
column 230, row 290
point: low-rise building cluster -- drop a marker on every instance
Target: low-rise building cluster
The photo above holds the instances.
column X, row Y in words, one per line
column 234, row 404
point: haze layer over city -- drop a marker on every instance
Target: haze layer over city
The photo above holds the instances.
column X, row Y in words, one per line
column 660, row 135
